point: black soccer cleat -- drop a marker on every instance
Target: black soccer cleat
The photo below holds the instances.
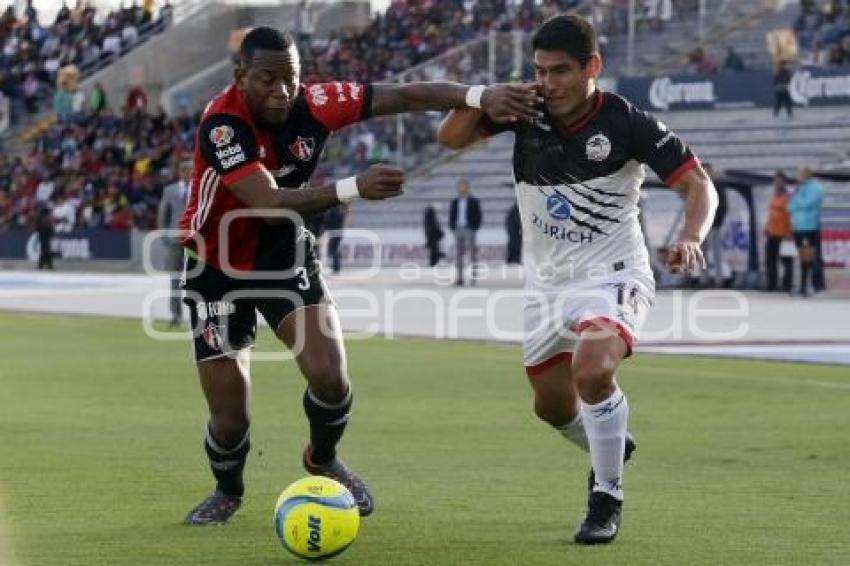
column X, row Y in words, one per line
column 216, row 509
column 602, row 523
column 627, row 455
column 337, row 470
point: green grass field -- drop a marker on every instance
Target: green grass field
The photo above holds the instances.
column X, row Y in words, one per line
column 100, row 457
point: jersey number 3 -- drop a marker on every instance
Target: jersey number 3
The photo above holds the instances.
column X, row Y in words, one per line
column 304, row 281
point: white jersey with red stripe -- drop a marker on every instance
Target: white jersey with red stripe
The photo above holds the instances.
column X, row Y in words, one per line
column 578, row 190
column 584, row 254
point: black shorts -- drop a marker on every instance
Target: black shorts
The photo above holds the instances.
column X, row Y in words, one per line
column 223, row 309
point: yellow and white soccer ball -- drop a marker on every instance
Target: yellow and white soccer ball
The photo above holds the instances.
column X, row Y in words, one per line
column 316, row 518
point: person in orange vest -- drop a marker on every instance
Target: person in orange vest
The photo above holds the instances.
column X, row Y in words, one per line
column 776, row 230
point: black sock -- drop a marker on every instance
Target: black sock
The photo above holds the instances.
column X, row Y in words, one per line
column 327, row 423
column 227, row 464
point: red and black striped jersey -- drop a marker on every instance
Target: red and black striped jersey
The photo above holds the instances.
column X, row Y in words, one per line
column 230, row 144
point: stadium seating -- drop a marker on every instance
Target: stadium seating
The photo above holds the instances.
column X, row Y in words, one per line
column 104, row 171
column 33, row 52
column 743, row 25
column 751, row 140
column 355, row 56
column 822, row 29
column 823, row 32
column 736, row 139
column 412, row 32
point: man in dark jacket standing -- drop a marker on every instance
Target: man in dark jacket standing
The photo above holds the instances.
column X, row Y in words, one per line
column 782, row 91
column 433, row 235
column 44, row 229
column 464, row 221
column 334, row 222
column 168, row 218
column 513, row 226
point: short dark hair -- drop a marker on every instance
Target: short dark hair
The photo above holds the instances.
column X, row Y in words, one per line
column 263, row 37
column 570, row 33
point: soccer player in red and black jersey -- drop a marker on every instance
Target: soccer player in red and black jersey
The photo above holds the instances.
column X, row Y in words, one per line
column 247, row 250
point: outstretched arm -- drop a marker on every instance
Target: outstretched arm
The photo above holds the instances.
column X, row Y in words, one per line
column 462, row 128
column 230, row 146
column 700, row 205
column 259, row 191
column 503, row 103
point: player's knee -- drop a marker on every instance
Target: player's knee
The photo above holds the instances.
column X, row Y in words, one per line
column 328, row 380
column 229, row 428
column 548, row 411
column 593, row 374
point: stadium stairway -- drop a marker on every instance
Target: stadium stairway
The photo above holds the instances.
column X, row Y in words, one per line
column 29, row 127
column 754, row 140
column 197, row 40
column 751, row 140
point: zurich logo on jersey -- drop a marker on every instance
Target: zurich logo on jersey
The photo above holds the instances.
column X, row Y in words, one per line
column 558, row 207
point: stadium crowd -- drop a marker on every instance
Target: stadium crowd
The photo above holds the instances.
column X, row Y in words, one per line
column 823, row 32
column 33, row 52
column 101, row 167
column 406, row 35
column 101, row 171
column 412, row 32
column 106, row 168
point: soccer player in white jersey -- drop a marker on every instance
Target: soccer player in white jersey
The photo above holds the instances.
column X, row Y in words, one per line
column 578, row 168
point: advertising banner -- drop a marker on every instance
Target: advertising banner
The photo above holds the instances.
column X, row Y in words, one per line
column 810, row 86
column 76, row 245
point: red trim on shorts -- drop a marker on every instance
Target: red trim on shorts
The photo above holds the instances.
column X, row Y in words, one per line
column 603, row 323
column 671, row 179
column 242, row 172
column 563, row 357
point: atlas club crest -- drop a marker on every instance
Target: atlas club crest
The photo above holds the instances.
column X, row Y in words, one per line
column 303, row 148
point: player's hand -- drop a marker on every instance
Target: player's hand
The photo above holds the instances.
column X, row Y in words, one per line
column 508, row 103
column 379, row 182
column 685, row 256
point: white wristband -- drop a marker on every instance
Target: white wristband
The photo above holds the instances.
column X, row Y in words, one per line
column 473, row 96
column 346, row 190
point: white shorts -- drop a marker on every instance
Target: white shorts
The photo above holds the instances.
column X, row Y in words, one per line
column 553, row 319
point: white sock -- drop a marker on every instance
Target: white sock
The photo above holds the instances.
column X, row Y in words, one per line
column 574, row 432
column 606, row 425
